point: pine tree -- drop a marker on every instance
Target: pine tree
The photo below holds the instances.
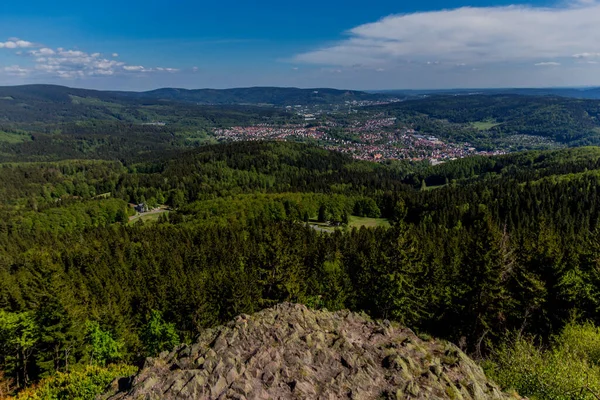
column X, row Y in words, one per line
column 322, row 213
column 158, row 335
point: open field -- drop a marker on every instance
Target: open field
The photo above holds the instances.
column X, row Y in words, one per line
column 13, row 138
column 484, row 125
column 367, row 222
column 150, row 216
column 354, row 222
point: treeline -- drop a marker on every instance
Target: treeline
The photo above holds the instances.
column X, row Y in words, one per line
column 525, row 166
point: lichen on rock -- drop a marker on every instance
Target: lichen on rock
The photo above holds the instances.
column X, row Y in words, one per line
column 292, row 352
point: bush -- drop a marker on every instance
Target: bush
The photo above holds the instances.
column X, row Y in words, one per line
column 569, row 369
column 81, row 384
column 6, row 385
column 583, row 341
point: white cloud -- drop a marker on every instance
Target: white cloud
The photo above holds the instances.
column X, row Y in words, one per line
column 586, row 55
column 74, row 63
column 43, row 52
column 162, row 69
column 469, row 35
column 134, row 68
column 16, row 70
column 73, row 53
column 69, row 64
column 16, row 44
column 547, row 64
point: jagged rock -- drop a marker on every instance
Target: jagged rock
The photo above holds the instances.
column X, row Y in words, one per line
column 292, row 352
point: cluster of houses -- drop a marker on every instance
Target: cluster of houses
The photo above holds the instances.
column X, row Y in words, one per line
column 377, row 139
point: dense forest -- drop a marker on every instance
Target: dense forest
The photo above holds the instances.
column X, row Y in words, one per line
column 565, row 120
column 478, row 251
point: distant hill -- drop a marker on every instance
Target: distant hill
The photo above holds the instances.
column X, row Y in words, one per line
column 33, row 105
column 259, row 95
column 276, row 96
column 292, row 352
column 37, row 104
column 181, row 117
column 578, row 93
column 566, row 120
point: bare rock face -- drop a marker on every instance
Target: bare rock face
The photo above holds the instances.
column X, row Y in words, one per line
column 292, row 352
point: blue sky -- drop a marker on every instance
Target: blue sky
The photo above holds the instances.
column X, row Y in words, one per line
column 138, row 45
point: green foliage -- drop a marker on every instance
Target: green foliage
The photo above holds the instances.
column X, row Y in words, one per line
column 568, row 370
column 158, row 335
column 102, row 348
column 582, row 341
column 18, row 337
column 84, row 383
column 366, row 207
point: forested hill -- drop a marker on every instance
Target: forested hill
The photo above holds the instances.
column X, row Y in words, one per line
column 565, row 120
column 576, row 92
column 260, row 95
column 276, row 96
column 34, row 106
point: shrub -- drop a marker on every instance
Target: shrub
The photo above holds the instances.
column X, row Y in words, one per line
column 568, row 370
column 81, row 384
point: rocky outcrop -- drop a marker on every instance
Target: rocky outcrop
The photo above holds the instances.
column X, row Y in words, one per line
column 292, row 352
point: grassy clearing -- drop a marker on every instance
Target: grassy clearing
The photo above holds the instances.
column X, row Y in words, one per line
column 13, row 138
column 92, row 101
column 151, row 216
column 367, row 222
column 484, row 125
column 354, row 222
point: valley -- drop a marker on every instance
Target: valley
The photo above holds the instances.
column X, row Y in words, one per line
column 123, row 239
